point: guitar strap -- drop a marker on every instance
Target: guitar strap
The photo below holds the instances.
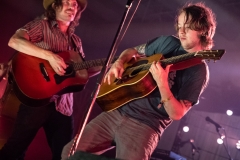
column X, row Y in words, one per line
column 75, row 47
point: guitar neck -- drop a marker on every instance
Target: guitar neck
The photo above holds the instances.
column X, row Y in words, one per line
column 205, row 54
column 168, row 61
column 90, row 63
column 177, row 59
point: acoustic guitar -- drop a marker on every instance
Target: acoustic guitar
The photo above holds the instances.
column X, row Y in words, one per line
column 35, row 82
column 137, row 81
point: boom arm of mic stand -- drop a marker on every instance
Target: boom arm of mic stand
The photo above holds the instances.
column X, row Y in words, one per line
column 99, row 82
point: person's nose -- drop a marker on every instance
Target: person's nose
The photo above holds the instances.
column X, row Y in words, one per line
column 182, row 30
column 71, row 5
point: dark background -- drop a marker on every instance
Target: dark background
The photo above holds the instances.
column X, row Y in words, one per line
column 98, row 27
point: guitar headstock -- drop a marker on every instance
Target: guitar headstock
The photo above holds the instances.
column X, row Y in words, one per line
column 210, row 54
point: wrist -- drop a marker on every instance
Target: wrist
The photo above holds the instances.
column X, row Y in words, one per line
column 119, row 61
column 163, row 101
column 48, row 56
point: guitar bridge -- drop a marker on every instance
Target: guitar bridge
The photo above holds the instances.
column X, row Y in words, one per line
column 44, row 72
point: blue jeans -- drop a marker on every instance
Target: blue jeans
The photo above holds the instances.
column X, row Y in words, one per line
column 134, row 140
column 58, row 129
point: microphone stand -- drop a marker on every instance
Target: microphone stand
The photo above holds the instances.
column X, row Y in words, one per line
column 99, row 81
column 194, row 150
column 226, row 148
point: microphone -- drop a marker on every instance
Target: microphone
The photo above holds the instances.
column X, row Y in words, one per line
column 213, row 122
column 129, row 2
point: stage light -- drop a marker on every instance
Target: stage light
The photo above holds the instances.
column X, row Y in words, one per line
column 229, row 112
column 185, row 128
column 238, row 144
column 219, row 141
column 223, row 136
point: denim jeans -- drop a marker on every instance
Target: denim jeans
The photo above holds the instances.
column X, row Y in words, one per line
column 134, row 140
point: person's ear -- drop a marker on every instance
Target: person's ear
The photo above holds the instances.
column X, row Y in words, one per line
column 53, row 6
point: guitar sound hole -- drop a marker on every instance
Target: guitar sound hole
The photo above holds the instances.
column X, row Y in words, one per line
column 145, row 61
column 135, row 72
column 127, row 76
column 68, row 70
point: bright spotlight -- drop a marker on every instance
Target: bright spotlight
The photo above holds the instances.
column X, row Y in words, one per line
column 185, row 128
column 238, row 144
column 229, row 112
column 219, row 141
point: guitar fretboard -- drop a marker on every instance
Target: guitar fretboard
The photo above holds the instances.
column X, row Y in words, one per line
column 89, row 64
column 177, row 59
column 164, row 62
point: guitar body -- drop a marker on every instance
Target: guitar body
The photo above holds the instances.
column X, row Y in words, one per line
column 35, row 82
column 135, row 83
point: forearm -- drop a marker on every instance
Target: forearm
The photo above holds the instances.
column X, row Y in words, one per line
column 175, row 108
column 117, row 67
column 127, row 55
column 20, row 42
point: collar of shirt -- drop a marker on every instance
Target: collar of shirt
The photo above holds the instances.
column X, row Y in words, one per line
column 71, row 27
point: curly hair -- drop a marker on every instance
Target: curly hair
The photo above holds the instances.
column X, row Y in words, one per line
column 50, row 13
column 201, row 19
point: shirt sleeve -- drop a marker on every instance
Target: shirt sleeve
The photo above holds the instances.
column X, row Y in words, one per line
column 64, row 104
column 163, row 45
column 34, row 30
column 194, row 81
